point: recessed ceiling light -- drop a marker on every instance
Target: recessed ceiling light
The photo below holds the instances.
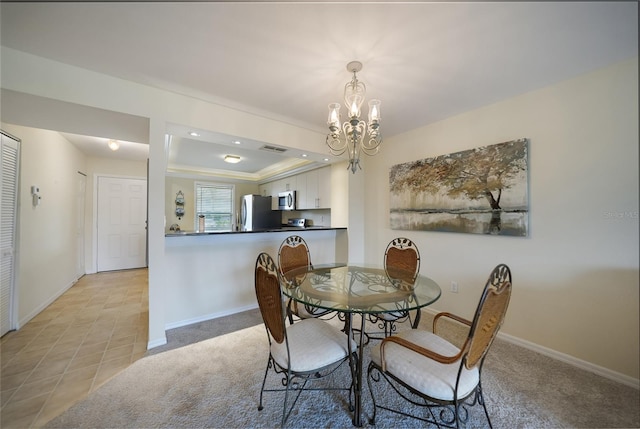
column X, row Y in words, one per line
column 194, row 134
column 236, row 142
column 113, row 145
column 304, row 155
column 232, row 159
column 326, row 160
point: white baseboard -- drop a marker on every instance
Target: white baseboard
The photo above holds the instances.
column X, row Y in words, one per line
column 45, row 304
column 162, row 341
column 571, row 360
column 210, row 316
column 157, row 342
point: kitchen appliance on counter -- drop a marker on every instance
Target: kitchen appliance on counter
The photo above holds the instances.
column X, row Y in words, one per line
column 256, row 213
column 287, row 200
column 297, row 222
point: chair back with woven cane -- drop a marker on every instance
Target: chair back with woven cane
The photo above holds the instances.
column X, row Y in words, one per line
column 293, row 253
column 490, row 314
column 269, row 296
column 402, row 260
column 402, row 265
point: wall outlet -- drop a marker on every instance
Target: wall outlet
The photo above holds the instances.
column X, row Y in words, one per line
column 454, row 287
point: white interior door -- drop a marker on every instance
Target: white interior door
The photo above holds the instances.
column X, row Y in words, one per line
column 9, row 162
column 121, row 216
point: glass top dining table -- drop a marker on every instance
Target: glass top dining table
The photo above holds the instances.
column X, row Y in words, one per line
column 358, row 289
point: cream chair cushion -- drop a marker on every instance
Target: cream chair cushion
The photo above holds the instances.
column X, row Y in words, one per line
column 425, row 375
column 313, row 344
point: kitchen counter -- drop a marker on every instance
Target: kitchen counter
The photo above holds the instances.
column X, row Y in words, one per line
column 212, row 274
column 258, row 231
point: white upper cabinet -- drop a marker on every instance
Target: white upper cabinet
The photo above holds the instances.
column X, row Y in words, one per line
column 265, row 189
column 282, row 185
column 291, row 183
column 324, row 188
column 313, row 189
column 301, row 192
column 317, row 193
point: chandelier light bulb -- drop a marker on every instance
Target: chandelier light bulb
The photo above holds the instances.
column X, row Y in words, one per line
column 374, row 111
column 354, row 111
column 334, row 115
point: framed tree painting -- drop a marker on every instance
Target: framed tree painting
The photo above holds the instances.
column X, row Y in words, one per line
column 479, row 191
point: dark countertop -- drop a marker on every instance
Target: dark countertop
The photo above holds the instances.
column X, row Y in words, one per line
column 258, row 231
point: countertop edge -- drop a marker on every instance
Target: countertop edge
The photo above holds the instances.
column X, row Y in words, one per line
column 262, row 231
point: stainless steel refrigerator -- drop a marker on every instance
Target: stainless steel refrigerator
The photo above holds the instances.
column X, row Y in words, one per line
column 256, row 214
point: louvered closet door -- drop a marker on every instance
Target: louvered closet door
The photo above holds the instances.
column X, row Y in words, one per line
column 9, row 160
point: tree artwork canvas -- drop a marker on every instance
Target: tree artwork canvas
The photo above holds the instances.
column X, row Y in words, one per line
column 479, row 191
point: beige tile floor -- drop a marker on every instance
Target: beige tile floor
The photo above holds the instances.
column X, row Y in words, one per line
column 93, row 331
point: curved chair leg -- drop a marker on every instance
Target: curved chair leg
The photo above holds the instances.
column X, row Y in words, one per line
column 264, row 380
column 481, row 400
column 284, row 405
column 299, row 389
column 372, row 419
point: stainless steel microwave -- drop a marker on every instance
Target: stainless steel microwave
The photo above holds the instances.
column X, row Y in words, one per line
column 287, row 200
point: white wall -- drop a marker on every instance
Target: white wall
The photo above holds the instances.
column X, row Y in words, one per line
column 576, row 274
column 47, row 245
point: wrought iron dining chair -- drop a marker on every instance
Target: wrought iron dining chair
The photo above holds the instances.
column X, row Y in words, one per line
column 292, row 254
column 304, row 352
column 401, row 264
column 429, row 371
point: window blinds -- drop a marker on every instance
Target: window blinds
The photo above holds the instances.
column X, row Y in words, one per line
column 215, row 202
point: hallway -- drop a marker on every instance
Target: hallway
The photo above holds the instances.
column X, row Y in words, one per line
column 89, row 334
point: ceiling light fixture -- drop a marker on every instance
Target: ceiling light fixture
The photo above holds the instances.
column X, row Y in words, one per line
column 358, row 136
column 194, row 134
column 113, row 145
column 232, row 159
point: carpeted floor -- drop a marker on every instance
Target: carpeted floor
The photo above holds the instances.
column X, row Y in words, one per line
column 214, row 383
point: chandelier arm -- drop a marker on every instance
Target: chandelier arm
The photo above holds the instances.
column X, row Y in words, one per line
column 337, row 146
column 372, row 146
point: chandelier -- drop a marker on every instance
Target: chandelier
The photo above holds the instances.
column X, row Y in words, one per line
column 358, row 135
